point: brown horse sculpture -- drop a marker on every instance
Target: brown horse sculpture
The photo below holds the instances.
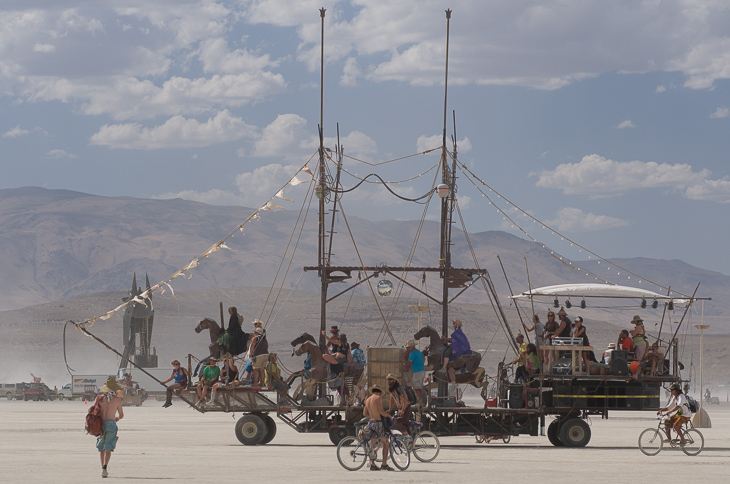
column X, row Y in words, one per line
column 215, row 349
column 466, row 366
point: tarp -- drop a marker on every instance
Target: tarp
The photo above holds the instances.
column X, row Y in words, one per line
column 595, row 290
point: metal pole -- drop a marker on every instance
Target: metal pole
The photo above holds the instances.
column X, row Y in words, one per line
column 323, row 274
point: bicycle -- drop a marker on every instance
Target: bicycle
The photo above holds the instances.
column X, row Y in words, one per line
column 423, row 444
column 652, row 440
column 354, row 451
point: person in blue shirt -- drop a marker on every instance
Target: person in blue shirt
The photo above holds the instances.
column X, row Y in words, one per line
column 415, row 357
column 358, row 355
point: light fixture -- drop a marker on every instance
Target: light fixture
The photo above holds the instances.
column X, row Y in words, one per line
column 582, row 303
column 442, row 190
column 655, row 304
column 556, row 303
column 384, row 288
column 643, row 303
column 671, row 305
column 568, row 304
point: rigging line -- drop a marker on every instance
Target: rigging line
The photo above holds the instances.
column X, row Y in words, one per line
column 511, row 293
column 466, row 169
column 394, row 159
column 309, row 197
column 414, row 244
column 487, row 281
column 357, row 177
column 370, row 285
column 385, row 184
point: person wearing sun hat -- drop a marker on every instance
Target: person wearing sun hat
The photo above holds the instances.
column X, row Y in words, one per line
column 111, row 405
column 416, row 359
column 637, row 337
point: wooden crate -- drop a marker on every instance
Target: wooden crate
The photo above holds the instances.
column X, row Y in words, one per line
column 383, row 360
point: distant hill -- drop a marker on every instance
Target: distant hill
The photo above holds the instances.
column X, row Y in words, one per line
column 60, row 244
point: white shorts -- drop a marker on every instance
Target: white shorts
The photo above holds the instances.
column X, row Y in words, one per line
column 418, row 380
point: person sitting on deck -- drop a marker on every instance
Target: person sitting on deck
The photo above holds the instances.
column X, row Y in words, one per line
column 521, row 373
column 606, row 357
column 273, row 376
column 651, row 360
column 459, row 347
column 228, row 378
column 208, row 377
column 625, row 342
column 180, row 375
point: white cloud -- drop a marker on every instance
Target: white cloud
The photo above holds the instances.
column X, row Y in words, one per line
column 571, row 219
column 625, row 124
column 216, row 57
column 424, row 143
column 598, row 177
column 660, row 88
column 712, row 190
column 44, row 48
column 350, row 73
column 15, row 132
column 60, row 154
column 211, row 197
column 176, row 132
column 722, row 112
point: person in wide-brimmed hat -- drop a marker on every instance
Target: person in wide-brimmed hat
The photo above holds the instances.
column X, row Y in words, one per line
column 111, row 413
column 637, row 337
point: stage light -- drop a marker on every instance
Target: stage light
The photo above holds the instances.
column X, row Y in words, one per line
column 583, row 304
column 556, row 303
column 671, row 305
column 643, row 303
column 568, row 304
column 655, row 304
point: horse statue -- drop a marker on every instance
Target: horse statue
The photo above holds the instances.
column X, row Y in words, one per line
column 466, row 366
column 215, row 349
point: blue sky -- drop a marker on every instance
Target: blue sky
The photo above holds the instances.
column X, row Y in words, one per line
column 607, row 120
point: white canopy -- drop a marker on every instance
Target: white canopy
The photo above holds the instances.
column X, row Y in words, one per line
column 594, row 290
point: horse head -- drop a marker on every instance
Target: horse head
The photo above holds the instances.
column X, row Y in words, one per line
column 204, row 324
column 302, row 338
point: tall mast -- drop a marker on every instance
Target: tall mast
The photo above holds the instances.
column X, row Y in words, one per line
column 322, row 194
column 447, row 203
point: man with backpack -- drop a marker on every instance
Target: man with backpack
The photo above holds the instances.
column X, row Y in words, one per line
column 399, row 401
column 111, row 405
column 679, row 410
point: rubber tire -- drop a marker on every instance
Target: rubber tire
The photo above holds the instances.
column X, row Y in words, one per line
column 654, row 439
column 428, row 441
column 699, row 441
column 351, row 453
column 36, row 398
column 506, row 438
column 9, row 396
column 336, row 434
column 399, row 453
column 250, row 429
column 270, row 430
column 574, row 432
column 553, row 433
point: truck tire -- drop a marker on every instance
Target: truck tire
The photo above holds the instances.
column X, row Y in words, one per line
column 36, row 398
column 337, row 434
column 270, row 430
column 553, row 433
column 9, row 396
column 574, row 432
column 250, row 429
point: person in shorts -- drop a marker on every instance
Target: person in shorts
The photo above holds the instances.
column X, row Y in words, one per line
column 258, row 351
column 111, row 405
column 374, row 411
column 678, row 410
column 418, row 367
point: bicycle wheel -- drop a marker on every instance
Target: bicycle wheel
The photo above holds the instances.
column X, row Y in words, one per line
column 426, row 446
column 352, row 453
column 651, row 441
column 695, row 442
column 399, row 453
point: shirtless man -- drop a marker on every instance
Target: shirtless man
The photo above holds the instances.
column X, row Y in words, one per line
column 374, row 411
column 111, row 404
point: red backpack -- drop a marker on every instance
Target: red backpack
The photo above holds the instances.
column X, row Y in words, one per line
column 94, row 422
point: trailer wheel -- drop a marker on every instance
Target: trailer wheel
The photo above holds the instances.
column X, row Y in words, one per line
column 337, row 434
column 9, row 396
column 575, row 432
column 250, row 429
column 36, row 398
column 270, row 430
column 553, row 433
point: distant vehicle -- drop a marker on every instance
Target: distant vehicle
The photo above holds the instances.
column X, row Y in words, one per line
column 86, row 386
column 38, row 391
column 66, row 392
column 9, row 390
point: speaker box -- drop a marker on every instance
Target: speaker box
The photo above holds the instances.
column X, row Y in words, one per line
column 516, row 396
column 619, row 367
column 619, row 355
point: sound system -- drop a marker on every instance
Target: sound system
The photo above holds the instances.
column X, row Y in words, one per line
column 516, row 396
column 619, row 355
column 563, row 367
column 619, row 367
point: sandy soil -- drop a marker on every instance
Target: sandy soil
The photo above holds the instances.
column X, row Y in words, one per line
column 45, row 442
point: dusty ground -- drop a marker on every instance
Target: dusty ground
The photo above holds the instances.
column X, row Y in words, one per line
column 44, row 442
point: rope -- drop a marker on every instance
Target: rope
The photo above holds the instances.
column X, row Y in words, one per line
column 393, row 160
column 357, row 177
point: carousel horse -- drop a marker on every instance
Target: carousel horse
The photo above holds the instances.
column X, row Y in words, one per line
column 215, row 349
column 321, row 365
column 435, row 347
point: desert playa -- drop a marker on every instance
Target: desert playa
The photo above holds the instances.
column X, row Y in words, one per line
column 45, row 442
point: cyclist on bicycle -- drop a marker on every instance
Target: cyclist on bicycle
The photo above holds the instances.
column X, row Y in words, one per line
column 374, row 411
column 679, row 412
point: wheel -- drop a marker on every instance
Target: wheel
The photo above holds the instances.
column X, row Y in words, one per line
column 506, row 438
column 351, row 453
column 9, row 396
column 270, row 430
column 36, row 398
column 651, row 441
column 695, row 442
column 250, row 429
column 425, row 446
column 553, row 433
column 337, row 434
column 399, row 453
column 574, row 432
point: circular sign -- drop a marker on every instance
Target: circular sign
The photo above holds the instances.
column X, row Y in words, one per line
column 384, row 288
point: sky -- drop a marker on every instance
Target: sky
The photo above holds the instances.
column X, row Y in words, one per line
column 607, row 121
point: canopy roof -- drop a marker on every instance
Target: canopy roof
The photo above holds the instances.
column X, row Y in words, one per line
column 594, row 290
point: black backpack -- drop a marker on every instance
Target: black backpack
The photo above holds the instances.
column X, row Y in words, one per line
column 409, row 393
column 692, row 404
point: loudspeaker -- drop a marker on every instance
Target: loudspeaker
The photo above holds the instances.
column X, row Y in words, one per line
column 619, row 367
column 516, row 396
column 619, row 355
